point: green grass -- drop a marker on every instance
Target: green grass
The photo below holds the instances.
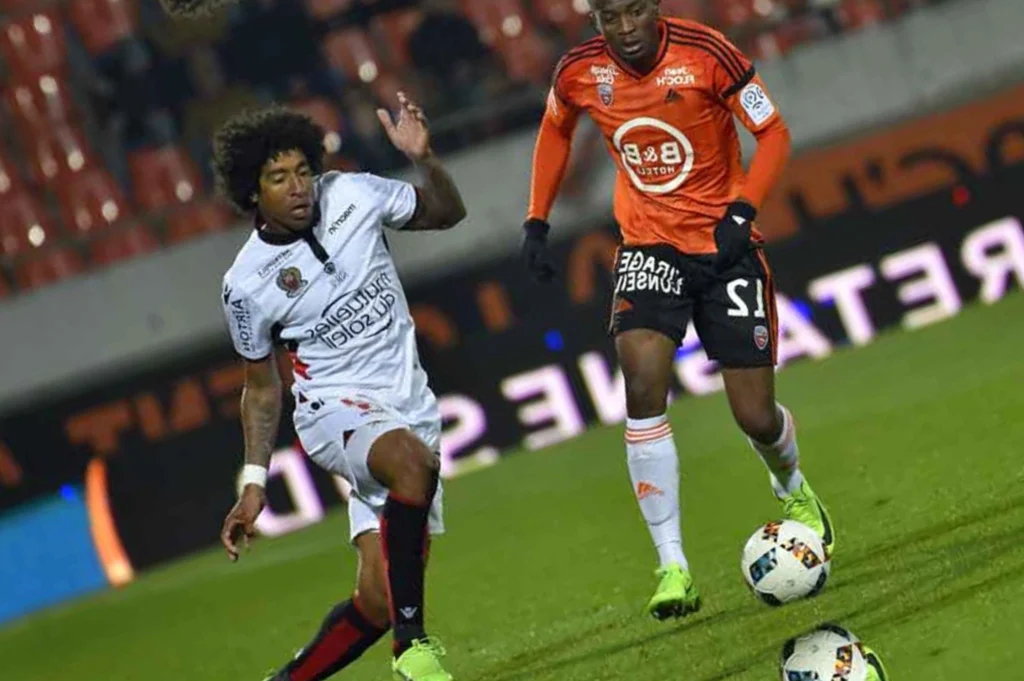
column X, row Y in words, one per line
column 914, row 442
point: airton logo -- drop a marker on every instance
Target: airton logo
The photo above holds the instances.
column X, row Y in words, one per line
column 342, row 218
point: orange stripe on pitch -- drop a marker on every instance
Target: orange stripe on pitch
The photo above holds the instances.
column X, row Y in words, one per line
column 101, row 524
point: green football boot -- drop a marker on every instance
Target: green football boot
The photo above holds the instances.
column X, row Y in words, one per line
column 421, row 662
column 804, row 507
column 676, row 595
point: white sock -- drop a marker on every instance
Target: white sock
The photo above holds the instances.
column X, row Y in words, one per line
column 782, row 457
column 654, row 470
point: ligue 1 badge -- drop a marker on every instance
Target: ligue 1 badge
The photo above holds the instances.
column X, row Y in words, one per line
column 290, row 281
column 605, row 92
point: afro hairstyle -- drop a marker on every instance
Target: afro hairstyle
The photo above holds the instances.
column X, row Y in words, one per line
column 244, row 144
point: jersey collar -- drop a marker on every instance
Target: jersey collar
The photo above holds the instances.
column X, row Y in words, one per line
column 662, row 49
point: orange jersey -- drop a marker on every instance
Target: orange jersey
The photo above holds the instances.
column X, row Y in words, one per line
column 670, row 131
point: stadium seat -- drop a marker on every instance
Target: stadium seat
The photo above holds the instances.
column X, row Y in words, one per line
column 103, row 23
column 392, row 30
column 323, row 10
column 47, row 267
column 570, row 17
column 10, row 177
column 694, row 10
column 24, row 224
column 34, row 43
column 90, row 202
column 39, row 102
column 197, row 218
column 527, row 55
column 163, row 177
column 5, row 288
column 351, row 52
column 496, row 18
column 854, row 14
column 122, row 244
column 57, row 153
column 327, row 116
column 729, row 14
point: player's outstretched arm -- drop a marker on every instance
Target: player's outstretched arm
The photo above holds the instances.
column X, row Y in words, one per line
column 439, row 204
column 752, row 104
column 261, row 415
column 550, row 160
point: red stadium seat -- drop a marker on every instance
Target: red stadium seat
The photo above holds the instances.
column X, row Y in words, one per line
column 163, row 177
column 39, row 102
column 10, row 177
column 327, row 116
column 854, row 14
column 351, row 52
column 728, row 14
column 571, row 17
column 122, row 244
column 91, row 201
column 694, row 10
column 496, row 18
column 527, row 56
column 34, row 43
column 103, row 23
column 199, row 217
column 47, row 267
column 5, row 288
column 56, row 154
column 393, row 29
column 325, row 9
column 24, row 224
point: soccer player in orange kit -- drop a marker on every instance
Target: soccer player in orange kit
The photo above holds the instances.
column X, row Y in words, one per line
column 664, row 93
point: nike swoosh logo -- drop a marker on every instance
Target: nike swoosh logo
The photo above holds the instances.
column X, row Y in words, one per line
column 825, row 522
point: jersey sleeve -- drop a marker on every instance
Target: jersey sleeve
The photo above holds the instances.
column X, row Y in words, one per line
column 250, row 330
column 561, row 111
column 396, row 199
column 736, row 82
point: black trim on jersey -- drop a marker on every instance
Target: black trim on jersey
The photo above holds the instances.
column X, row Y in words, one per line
column 713, row 46
column 664, row 30
column 740, row 84
column 283, row 239
column 570, row 58
column 727, row 50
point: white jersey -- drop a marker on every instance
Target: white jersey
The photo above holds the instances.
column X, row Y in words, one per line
column 334, row 300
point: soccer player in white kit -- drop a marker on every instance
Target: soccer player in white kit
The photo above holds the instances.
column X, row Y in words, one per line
column 316, row 278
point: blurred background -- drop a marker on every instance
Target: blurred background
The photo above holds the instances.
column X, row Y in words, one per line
column 119, row 391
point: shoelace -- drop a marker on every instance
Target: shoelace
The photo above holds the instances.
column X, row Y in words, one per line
column 432, row 644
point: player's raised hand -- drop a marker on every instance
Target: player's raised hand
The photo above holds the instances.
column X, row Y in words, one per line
column 240, row 522
column 409, row 134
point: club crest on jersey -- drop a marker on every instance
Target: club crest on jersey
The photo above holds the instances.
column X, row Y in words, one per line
column 606, row 92
column 760, row 337
column 290, row 281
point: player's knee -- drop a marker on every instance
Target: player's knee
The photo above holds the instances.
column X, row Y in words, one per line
column 759, row 422
column 645, row 394
column 416, row 476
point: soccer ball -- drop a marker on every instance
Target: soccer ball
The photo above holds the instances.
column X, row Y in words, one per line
column 830, row 653
column 783, row 561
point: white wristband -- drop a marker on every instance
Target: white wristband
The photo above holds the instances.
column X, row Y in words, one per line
column 253, row 474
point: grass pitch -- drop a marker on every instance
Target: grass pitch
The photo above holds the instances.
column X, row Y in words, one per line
column 913, row 442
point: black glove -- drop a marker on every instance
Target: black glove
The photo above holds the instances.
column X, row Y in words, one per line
column 732, row 234
column 535, row 250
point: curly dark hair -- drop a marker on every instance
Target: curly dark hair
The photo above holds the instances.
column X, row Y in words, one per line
column 248, row 140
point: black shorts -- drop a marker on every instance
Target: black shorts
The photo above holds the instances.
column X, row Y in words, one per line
column 659, row 288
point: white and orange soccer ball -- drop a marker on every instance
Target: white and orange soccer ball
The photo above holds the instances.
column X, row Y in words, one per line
column 784, row 561
column 830, row 653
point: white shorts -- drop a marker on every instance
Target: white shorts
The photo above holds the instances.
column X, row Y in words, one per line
column 323, row 439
